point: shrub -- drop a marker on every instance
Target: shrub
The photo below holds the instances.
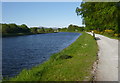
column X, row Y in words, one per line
column 116, row 35
column 109, row 32
column 97, row 32
column 101, row 32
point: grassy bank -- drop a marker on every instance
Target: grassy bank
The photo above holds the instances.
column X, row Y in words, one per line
column 73, row 63
column 113, row 37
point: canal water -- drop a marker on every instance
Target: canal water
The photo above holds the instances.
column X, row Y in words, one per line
column 24, row 52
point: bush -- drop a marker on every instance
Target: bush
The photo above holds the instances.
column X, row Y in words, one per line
column 116, row 35
column 109, row 32
column 97, row 32
column 101, row 32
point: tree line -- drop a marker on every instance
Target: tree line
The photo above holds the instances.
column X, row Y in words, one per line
column 41, row 30
column 13, row 29
column 71, row 28
column 100, row 16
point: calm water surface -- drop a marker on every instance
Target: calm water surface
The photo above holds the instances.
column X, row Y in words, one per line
column 27, row 51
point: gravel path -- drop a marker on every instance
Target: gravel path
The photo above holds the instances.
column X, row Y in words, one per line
column 108, row 59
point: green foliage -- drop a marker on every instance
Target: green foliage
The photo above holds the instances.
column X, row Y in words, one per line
column 59, row 29
column 71, row 28
column 41, row 30
column 5, row 28
column 49, row 30
column 13, row 28
column 63, row 29
column 99, row 15
column 75, row 28
column 24, row 28
column 34, row 30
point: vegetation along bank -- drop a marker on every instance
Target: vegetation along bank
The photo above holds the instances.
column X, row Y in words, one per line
column 15, row 30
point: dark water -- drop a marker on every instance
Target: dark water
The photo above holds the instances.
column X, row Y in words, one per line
column 27, row 51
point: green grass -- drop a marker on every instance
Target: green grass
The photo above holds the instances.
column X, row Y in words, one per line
column 73, row 63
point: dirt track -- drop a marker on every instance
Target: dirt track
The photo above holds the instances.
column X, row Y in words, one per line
column 108, row 59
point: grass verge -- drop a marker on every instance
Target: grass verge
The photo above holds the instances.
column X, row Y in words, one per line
column 112, row 37
column 73, row 63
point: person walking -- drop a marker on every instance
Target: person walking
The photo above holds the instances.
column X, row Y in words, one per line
column 93, row 34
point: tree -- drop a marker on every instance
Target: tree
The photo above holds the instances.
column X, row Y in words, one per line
column 34, row 30
column 49, row 30
column 99, row 15
column 59, row 29
column 64, row 29
column 5, row 28
column 13, row 28
column 24, row 28
column 41, row 30
column 75, row 28
column 71, row 28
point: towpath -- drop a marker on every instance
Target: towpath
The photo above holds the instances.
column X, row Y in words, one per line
column 107, row 69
